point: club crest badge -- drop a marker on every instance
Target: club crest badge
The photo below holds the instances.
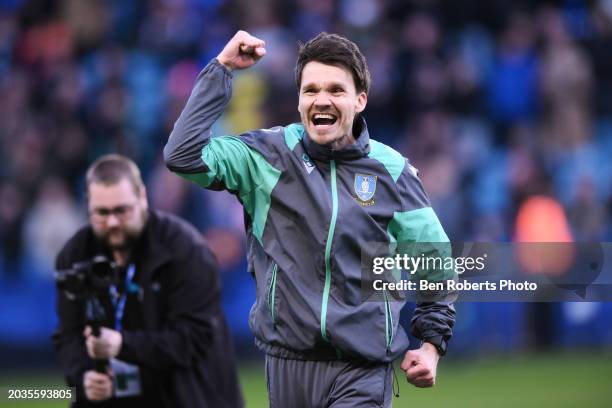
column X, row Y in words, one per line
column 365, row 187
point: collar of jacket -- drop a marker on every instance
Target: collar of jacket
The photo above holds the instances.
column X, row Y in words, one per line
column 356, row 150
column 153, row 254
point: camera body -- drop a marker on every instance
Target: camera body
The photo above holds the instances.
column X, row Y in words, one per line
column 88, row 278
column 87, row 281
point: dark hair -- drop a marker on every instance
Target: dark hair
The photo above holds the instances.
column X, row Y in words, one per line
column 333, row 49
column 111, row 169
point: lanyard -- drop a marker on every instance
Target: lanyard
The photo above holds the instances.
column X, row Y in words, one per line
column 119, row 303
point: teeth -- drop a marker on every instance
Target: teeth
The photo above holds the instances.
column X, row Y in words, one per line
column 324, row 116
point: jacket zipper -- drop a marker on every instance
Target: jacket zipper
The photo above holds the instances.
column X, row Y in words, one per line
column 328, row 245
column 272, row 293
column 388, row 322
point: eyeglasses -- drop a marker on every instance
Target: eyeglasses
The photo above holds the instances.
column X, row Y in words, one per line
column 122, row 212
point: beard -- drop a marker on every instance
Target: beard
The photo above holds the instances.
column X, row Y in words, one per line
column 122, row 237
column 118, row 239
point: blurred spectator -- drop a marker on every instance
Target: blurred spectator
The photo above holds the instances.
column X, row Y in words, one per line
column 8, row 32
column 588, row 214
column 513, row 82
column 566, row 82
column 50, row 222
column 12, row 204
column 599, row 46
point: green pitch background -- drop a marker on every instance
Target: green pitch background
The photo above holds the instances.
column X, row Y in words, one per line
column 535, row 380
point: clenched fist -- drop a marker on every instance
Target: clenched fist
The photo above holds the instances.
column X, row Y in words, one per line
column 420, row 366
column 98, row 386
column 242, row 51
column 106, row 346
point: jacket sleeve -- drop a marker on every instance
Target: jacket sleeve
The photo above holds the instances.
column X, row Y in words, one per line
column 68, row 338
column 224, row 162
column 417, row 227
column 191, row 315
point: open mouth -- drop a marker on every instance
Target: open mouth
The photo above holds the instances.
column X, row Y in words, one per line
column 324, row 119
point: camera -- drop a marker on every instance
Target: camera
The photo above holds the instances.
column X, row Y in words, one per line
column 87, row 281
column 88, row 278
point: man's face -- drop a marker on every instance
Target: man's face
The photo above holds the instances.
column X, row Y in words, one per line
column 328, row 103
column 117, row 213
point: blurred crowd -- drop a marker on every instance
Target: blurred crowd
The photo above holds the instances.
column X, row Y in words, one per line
column 493, row 101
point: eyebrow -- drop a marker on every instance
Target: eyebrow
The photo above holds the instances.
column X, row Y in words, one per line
column 329, row 85
column 113, row 207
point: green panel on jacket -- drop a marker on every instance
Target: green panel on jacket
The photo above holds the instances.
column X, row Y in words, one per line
column 418, row 233
column 293, row 134
column 392, row 160
column 241, row 169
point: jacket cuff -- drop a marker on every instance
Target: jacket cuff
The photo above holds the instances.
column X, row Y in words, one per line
column 215, row 63
column 439, row 342
column 430, row 334
column 76, row 381
column 128, row 349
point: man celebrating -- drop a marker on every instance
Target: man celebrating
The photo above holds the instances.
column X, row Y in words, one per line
column 315, row 194
column 165, row 337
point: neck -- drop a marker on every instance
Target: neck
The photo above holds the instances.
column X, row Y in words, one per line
column 349, row 138
column 342, row 142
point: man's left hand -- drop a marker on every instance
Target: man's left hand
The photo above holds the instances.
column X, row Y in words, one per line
column 106, row 346
column 420, row 365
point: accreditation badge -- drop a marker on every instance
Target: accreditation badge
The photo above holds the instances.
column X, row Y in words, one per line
column 126, row 380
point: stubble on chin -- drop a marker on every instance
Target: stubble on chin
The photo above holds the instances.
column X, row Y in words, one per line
column 129, row 236
column 126, row 242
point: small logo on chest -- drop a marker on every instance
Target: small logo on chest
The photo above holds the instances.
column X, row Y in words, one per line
column 308, row 163
column 365, row 187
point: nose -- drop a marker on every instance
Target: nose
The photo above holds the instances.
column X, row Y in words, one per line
column 322, row 99
column 112, row 220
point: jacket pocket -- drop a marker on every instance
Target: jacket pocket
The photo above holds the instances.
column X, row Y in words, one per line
column 389, row 332
column 272, row 293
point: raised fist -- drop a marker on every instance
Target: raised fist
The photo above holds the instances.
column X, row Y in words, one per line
column 242, row 51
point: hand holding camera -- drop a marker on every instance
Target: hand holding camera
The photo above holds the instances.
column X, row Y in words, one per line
column 105, row 346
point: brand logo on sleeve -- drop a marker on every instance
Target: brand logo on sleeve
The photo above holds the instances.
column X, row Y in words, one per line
column 365, row 187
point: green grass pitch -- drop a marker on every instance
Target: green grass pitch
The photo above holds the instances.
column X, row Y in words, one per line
column 533, row 380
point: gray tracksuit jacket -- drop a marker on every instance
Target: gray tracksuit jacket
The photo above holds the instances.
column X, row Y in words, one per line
column 309, row 211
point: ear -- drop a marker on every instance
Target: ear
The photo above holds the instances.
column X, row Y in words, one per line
column 143, row 197
column 299, row 101
column 362, row 101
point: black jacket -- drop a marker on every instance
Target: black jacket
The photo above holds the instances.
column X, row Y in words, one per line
column 173, row 328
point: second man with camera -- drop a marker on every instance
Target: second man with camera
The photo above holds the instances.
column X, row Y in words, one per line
column 160, row 338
